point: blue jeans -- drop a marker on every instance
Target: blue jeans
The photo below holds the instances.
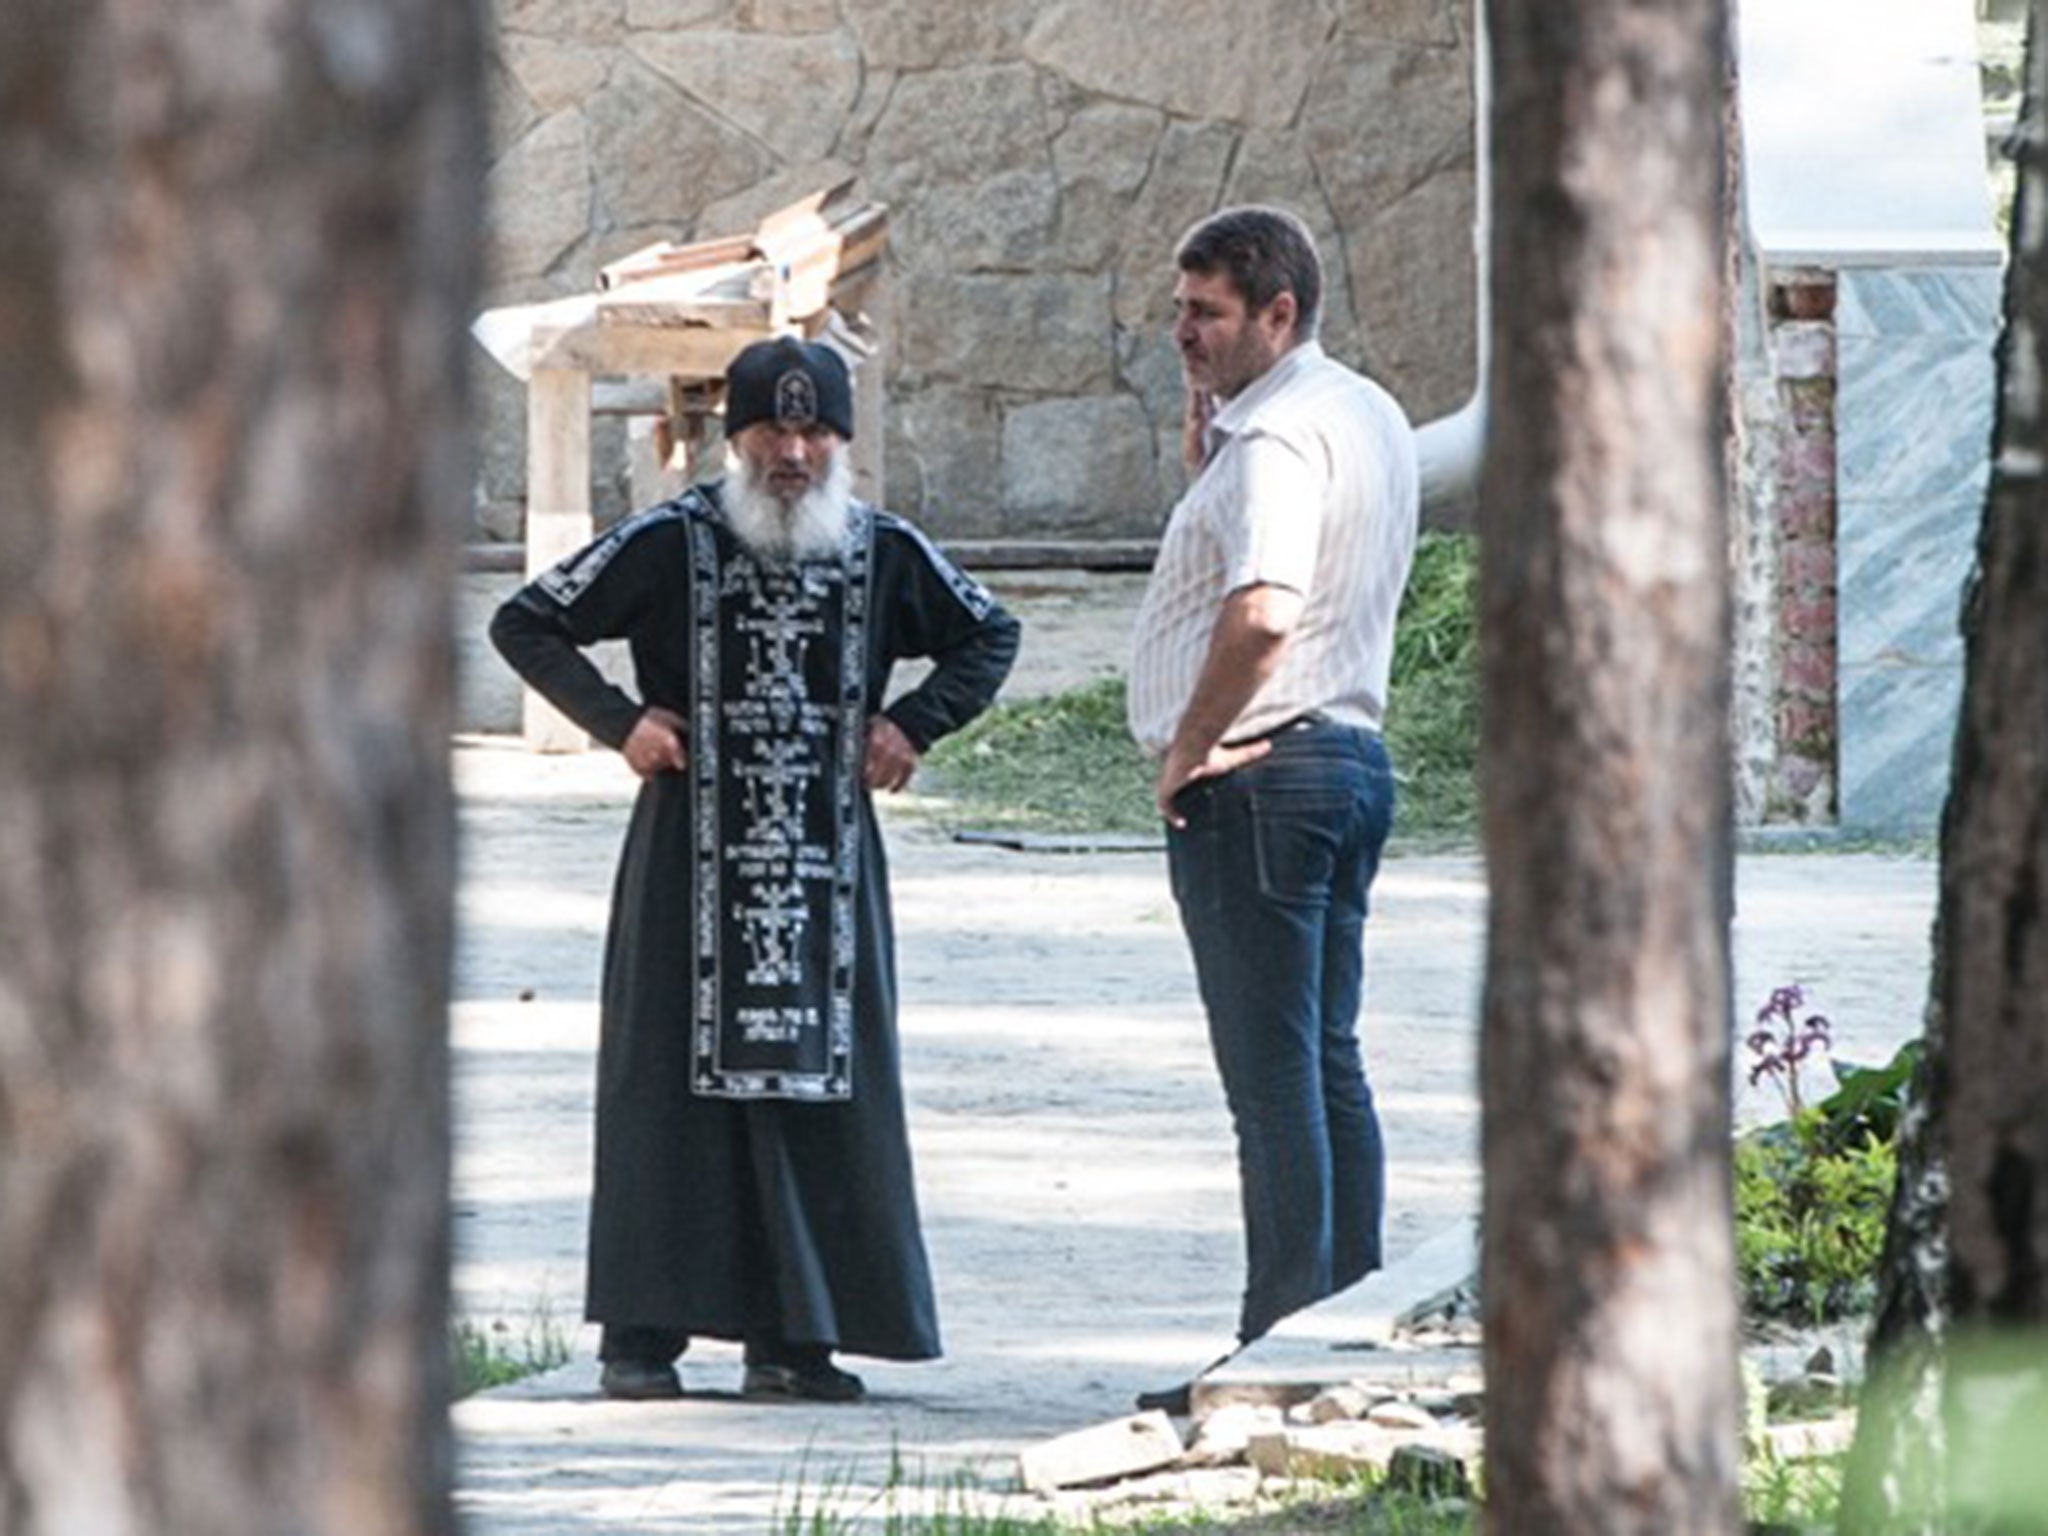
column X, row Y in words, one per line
column 1271, row 874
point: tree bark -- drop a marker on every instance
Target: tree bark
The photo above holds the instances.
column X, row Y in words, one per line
column 235, row 270
column 1892, row 1481
column 1608, row 1271
column 1994, row 867
column 1993, row 974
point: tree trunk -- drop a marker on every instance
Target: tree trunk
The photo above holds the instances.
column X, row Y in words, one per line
column 1608, row 1281
column 1891, row 1484
column 1993, row 974
column 235, row 269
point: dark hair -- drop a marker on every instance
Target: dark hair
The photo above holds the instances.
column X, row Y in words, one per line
column 1265, row 252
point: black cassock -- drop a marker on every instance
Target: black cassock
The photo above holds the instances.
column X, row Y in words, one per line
column 753, row 1172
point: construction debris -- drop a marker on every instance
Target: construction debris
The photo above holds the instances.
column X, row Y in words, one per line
column 1144, row 1442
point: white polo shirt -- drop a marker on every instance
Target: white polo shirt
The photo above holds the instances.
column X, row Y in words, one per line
column 1310, row 484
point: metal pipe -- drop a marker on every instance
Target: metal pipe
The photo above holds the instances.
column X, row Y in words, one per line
column 1450, row 449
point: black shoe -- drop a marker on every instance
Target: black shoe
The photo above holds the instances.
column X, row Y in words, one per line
column 1177, row 1402
column 817, row 1381
column 640, row 1381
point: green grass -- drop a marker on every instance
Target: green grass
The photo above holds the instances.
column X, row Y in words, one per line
column 1433, row 704
column 833, row 1506
column 1061, row 764
column 1067, row 763
column 496, row 1354
column 1803, row 1493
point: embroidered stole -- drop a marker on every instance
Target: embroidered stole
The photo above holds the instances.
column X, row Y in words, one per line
column 778, row 738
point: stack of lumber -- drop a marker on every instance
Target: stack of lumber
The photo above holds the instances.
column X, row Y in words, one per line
column 685, row 309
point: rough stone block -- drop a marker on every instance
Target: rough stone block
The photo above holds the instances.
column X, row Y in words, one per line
column 789, row 15
column 1401, row 1416
column 1804, row 349
column 1348, row 1401
column 792, row 93
column 894, row 35
column 1346, row 1449
column 1077, row 465
column 1116, row 50
column 539, row 198
column 1046, row 335
column 1430, row 22
column 1807, row 296
column 957, row 125
column 1120, row 1448
column 651, row 147
column 1225, row 1435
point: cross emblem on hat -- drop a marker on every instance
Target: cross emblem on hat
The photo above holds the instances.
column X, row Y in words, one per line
column 796, row 399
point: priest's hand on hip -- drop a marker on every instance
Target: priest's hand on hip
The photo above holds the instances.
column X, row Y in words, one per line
column 655, row 744
column 891, row 757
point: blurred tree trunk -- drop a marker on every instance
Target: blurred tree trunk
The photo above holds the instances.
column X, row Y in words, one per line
column 235, row 270
column 1992, row 973
column 1963, row 1299
column 1994, row 836
column 1891, row 1482
column 1608, row 1271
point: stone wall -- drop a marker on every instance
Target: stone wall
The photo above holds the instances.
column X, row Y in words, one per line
column 1040, row 158
column 1803, row 780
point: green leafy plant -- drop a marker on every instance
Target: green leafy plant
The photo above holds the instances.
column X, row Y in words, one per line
column 1779, row 1493
column 1871, row 1100
column 1809, row 1221
column 1813, row 1191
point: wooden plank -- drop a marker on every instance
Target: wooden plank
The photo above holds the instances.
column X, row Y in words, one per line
column 557, row 513
column 792, row 218
column 699, row 352
column 723, row 296
column 629, row 397
column 870, row 415
column 665, row 256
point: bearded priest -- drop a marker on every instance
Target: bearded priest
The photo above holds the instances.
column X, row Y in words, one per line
column 753, row 1178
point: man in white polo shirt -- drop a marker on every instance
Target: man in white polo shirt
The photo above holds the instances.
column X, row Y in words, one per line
column 1259, row 679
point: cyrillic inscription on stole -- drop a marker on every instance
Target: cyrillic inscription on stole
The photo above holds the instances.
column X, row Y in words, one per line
column 778, row 740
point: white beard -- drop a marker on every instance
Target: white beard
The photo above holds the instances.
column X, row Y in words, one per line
column 813, row 527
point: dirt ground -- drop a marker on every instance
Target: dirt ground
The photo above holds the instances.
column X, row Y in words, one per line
column 1073, row 1155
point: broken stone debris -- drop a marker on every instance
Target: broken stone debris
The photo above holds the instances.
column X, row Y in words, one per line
column 1143, row 1442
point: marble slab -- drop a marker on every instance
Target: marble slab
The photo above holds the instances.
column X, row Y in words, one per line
column 1900, row 567
column 1915, row 388
column 1897, row 734
column 1927, row 301
column 1912, row 416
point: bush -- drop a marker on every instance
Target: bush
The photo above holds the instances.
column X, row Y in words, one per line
column 1813, row 1192
column 1809, row 1220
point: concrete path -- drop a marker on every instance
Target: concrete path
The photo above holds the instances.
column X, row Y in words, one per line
column 1073, row 1155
